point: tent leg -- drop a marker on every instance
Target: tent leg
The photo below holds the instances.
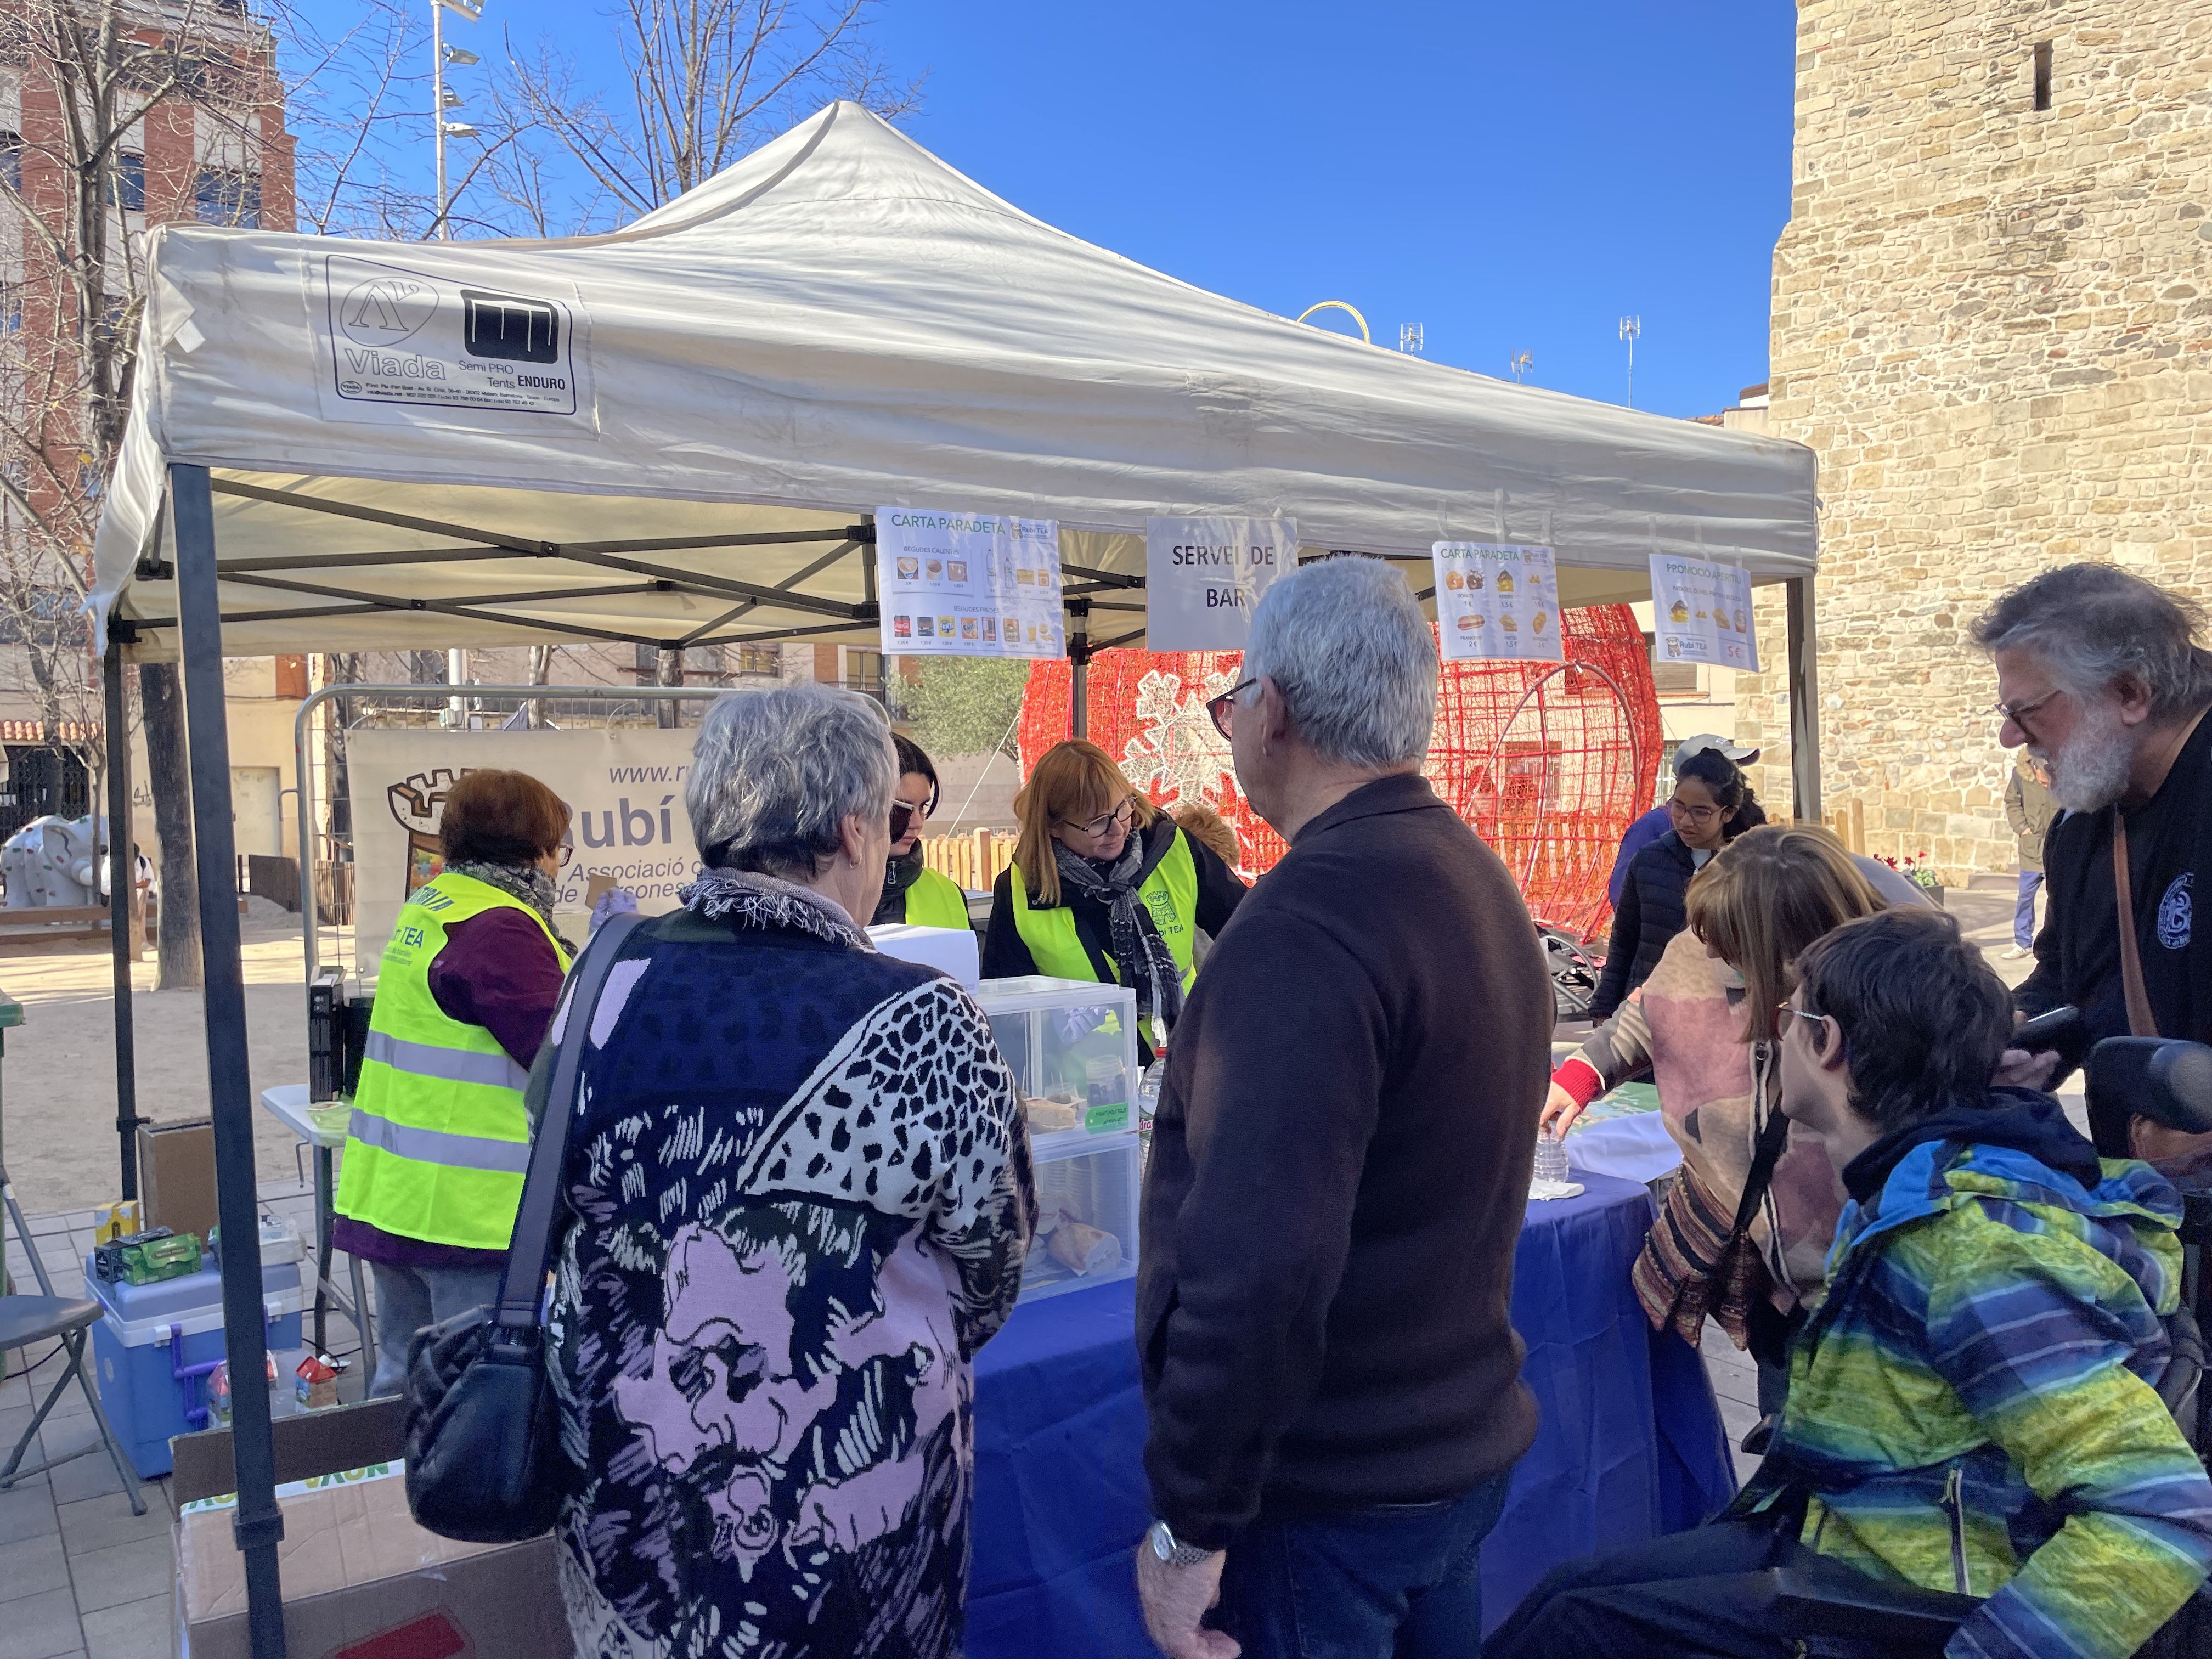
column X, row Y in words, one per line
column 1804, row 704
column 122, row 897
column 1078, row 699
column 258, row 1525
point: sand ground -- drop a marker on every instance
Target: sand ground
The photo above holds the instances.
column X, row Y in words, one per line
column 58, row 1079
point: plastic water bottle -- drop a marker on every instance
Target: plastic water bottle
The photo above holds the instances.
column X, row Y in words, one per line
column 1551, row 1158
column 1148, row 1103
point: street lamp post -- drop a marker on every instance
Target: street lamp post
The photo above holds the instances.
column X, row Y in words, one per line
column 441, row 100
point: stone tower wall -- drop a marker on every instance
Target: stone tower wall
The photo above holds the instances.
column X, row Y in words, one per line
column 1994, row 324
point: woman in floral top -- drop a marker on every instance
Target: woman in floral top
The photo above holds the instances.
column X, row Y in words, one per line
column 802, row 1197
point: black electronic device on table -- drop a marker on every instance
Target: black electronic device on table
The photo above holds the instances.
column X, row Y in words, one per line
column 338, row 1034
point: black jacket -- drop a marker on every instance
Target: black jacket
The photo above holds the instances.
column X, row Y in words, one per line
column 1339, row 1172
column 1651, row 911
column 2078, row 951
column 1005, row 955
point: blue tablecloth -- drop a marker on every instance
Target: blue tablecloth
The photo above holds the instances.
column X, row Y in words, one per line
column 1630, row 1445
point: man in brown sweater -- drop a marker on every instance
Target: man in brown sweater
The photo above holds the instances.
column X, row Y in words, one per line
column 1338, row 1172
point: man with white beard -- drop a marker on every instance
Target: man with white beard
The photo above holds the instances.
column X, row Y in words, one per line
column 2100, row 675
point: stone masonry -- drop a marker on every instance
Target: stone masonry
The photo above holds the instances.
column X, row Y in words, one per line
column 1994, row 324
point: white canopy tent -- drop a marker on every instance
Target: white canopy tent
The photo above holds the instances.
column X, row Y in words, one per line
column 676, row 435
column 840, row 322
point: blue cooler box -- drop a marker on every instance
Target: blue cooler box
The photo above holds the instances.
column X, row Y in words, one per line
column 157, row 1344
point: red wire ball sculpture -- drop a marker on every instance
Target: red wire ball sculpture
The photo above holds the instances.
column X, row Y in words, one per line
column 1548, row 761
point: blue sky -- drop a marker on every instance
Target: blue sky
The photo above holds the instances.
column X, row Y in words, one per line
column 1512, row 176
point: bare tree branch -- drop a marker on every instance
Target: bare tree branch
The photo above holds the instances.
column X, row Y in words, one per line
column 707, row 81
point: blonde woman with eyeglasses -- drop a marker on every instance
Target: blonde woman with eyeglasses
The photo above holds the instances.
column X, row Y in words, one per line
column 1104, row 886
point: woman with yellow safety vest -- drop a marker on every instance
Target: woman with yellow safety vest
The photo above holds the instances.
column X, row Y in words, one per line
column 435, row 1151
column 1104, row 886
column 913, row 892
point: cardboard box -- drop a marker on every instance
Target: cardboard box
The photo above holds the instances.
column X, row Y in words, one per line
column 176, row 1176
column 361, row 1580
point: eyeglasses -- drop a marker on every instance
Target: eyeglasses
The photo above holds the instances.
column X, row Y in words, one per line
column 2017, row 712
column 1221, row 707
column 1784, row 1009
column 1124, row 815
column 1682, row 809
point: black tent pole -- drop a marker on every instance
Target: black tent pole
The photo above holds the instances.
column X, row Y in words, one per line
column 258, row 1525
column 122, row 890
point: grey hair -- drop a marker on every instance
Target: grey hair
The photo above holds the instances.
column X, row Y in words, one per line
column 776, row 771
column 1345, row 642
column 2091, row 624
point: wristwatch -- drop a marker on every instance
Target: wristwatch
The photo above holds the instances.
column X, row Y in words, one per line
column 1173, row 1551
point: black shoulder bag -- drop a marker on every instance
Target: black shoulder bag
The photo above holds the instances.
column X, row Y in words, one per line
column 480, row 1446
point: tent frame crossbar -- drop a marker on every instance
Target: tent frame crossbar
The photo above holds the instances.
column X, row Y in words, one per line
column 848, row 545
column 476, row 542
column 531, row 544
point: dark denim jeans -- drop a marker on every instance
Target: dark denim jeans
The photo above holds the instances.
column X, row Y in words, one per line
column 1402, row 1582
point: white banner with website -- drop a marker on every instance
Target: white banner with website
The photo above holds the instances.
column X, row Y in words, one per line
column 624, row 788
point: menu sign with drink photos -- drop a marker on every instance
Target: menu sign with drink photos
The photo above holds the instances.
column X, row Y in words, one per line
column 968, row 584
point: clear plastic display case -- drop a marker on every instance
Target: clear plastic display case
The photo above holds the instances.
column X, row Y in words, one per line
column 1072, row 1046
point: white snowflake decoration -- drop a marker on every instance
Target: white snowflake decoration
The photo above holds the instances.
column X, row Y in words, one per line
column 1176, row 755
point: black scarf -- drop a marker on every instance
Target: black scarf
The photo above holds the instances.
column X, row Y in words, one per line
column 1147, row 966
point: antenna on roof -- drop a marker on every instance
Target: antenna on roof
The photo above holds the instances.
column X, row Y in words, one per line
column 1520, row 363
column 1632, row 329
column 1409, row 338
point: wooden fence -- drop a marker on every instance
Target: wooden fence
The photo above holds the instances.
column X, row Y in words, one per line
column 1849, row 822
column 971, row 861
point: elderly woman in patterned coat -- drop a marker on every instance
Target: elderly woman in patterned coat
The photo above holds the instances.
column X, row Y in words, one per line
column 802, row 1197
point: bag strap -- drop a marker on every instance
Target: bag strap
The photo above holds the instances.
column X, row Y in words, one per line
column 522, row 1289
column 1774, row 1136
column 2140, row 1021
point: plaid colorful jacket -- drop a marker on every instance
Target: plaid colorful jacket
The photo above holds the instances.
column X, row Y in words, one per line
column 1972, row 1405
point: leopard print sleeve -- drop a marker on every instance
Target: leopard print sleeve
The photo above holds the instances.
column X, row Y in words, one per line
column 915, row 1112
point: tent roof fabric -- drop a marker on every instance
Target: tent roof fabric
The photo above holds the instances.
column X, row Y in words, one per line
column 840, row 322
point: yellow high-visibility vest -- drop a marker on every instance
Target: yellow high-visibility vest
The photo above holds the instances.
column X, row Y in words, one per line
column 440, row 1137
column 1170, row 892
column 936, row 901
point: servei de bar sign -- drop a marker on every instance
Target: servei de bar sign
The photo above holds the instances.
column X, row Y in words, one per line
column 1202, row 577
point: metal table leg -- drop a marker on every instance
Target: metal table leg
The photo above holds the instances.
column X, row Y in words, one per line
column 327, row 1293
column 323, row 1224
